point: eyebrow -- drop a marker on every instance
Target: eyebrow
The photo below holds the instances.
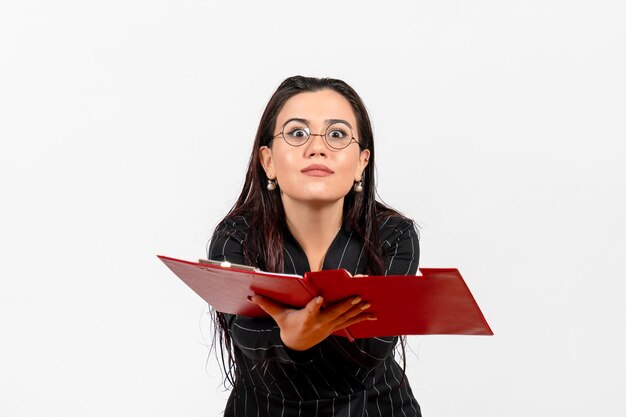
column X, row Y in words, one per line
column 327, row 121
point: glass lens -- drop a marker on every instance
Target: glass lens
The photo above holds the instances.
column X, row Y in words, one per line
column 296, row 133
column 338, row 135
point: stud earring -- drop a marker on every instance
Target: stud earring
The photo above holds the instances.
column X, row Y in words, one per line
column 358, row 186
column 271, row 184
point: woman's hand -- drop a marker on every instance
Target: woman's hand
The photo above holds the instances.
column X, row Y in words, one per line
column 355, row 275
column 303, row 329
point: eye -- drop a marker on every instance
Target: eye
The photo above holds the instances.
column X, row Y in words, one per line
column 337, row 134
column 298, row 133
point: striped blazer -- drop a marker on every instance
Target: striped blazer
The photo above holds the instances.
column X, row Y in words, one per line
column 336, row 377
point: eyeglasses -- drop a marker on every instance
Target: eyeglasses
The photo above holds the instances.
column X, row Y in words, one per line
column 338, row 134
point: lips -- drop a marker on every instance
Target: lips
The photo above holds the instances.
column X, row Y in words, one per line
column 317, row 170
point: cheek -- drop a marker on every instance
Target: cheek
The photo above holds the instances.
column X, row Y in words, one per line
column 347, row 165
column 345, row 175
column 285, row 165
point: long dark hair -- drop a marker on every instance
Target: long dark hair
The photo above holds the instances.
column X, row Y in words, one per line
column 263, row 209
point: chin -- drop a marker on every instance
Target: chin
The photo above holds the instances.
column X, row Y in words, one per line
column 316, row 196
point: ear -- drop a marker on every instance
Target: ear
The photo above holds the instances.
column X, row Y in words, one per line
column 265, row 156
column 364, row 157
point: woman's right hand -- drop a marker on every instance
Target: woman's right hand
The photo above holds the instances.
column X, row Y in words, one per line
column 304, row 328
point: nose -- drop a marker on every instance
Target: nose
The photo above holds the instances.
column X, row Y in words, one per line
column 316, row 145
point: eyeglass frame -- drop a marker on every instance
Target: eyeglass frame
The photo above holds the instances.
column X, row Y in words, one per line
column 331, row 122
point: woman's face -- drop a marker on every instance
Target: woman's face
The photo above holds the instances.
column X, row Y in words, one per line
column 314, row 172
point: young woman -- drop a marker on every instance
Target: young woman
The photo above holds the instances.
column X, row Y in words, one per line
column 308, row 203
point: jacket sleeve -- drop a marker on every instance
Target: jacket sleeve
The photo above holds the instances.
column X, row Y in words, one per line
column 400, row 246
column 257, row 338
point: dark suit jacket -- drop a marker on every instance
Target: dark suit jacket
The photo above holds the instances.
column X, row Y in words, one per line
column 336, row 377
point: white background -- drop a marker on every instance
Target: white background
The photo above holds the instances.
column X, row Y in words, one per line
column 125, row 131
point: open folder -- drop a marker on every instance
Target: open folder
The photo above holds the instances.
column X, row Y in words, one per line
column 436, row 302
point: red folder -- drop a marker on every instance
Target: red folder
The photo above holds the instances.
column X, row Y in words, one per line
column 437, row 302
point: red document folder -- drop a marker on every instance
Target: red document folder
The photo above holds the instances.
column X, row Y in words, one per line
column 437, row 302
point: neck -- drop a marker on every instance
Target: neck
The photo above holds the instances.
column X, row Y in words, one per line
column 314, row 226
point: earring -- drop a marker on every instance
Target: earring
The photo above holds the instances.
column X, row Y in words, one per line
column 271, row 184
column 358, row 186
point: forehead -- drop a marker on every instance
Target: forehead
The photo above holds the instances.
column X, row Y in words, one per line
column 316, row 107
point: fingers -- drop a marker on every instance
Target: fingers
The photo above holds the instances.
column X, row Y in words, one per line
column 275, row 309
column 357, row 312
column 341, row 307
column 357, row 319
column 336, row 316
column 270, row 307
column 345, row 309
column 313, row 306
column 355, row 275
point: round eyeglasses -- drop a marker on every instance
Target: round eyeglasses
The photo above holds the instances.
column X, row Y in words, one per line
column 338, row 134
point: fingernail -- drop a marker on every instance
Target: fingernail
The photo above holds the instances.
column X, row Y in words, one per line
column 319, row 300
column 372, row 318
column 355, row 301
column 365, row 306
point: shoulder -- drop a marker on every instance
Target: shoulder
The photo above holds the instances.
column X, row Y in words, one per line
column 235, row 227
column 228, row 240
column 399, row 243
column 394, row 227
